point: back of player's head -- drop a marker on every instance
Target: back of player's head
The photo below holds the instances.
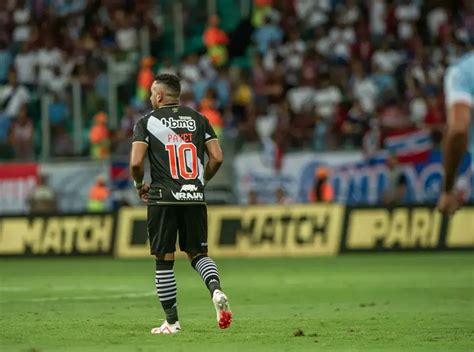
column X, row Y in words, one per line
column 171, row 82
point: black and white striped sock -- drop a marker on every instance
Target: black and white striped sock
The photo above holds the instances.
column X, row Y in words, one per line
column 206, row 267
column 166, row 289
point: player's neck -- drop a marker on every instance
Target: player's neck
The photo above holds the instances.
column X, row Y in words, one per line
column 169, row 103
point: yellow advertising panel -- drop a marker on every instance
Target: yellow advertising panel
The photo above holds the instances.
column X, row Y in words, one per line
column 249, row 231
column 57, row 235
column 461, row 229
column 398, row 228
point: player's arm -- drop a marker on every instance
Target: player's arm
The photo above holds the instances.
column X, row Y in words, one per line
column 456, row 141
column 455, row 146
column 216, row 157
column 137, row 159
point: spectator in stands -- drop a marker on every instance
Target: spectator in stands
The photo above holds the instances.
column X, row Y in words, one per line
column 99, row 137
column 355, row 126
column 363, row 88
column 48, row 58
column 98, row 195
column 252, row 198
column 25, row 65
column 322, row 191
column 21, row 19
column 190, row 72
column 5, row 61
column 208, row 109
column 434, row 117
column 397, row 182
column 269, row 33
column 262, row 8
column 62, row 144
column 22, row 135
column 43, row 199
column 167, row 66
column 326, row 97
column 145, row 79
column 12, row 97
column 126, row 34
column 242, row 97
column 281, row 197
column 58, row 110
column 216, row 40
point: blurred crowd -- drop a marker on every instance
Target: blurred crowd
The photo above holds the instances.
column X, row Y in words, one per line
column 44, row 46
column 313, row 74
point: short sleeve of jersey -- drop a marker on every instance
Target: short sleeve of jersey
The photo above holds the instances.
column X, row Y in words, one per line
column 139, row 132
column 209, row 133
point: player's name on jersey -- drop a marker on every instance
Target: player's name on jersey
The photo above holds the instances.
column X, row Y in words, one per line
column 57, row 235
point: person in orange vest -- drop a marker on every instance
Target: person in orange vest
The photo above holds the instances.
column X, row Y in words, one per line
column 322, row 190
column 145, row 78
column 99, row 137
column 216, row 40
column 98, row 195
column 261, row 8
column 211, row 113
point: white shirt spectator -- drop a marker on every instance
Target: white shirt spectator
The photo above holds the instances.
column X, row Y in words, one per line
column 377, row 17
column 406, row 15
column 326, row 99
column 366, row 92
column 313, row 12
column 25, row 66
column 58, row 83
column 341, row 38
column 21, row 18
column 190, row 72
column 13, row 98
column 418, row 110
column 323, row 46
column 48, row 59
column 435, row 19
column 387, row 60
column 301, row 98
column 127, row 38
column 293, row 52
column 350, row 14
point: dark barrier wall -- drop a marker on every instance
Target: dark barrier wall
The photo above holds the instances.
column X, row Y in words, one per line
column 326, row 229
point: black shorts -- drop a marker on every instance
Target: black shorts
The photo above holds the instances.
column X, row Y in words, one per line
column 165, row 221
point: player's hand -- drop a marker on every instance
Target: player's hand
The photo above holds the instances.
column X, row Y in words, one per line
column 449, row 202
column 143, row 192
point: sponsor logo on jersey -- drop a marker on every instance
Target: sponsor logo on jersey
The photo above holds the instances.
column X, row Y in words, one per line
column 188, row 193
column 172, row 123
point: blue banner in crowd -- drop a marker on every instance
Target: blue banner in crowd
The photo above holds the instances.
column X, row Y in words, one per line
column 366, row 181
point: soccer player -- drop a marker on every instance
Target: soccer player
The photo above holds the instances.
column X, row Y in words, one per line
column 175, row 138
column 459, row 92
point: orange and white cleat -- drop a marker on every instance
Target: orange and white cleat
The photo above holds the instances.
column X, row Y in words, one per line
column 221, row 303
column 167, row 328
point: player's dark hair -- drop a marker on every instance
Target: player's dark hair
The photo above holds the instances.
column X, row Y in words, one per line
column 170, row 81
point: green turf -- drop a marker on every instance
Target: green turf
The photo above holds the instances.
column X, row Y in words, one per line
column 409, row 302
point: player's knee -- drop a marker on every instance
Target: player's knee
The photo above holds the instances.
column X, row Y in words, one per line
column 165, row 256
column 191, row 256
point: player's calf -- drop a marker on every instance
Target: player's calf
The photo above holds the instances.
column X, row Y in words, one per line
column 207, row 268
column 166, row 289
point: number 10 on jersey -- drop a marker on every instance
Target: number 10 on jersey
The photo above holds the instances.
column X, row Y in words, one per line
column 186, row 163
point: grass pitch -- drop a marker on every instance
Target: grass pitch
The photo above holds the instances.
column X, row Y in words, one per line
column 409, row 302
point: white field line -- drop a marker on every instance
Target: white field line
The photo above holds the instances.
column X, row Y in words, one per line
column 83, row 298
column 64, row 288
